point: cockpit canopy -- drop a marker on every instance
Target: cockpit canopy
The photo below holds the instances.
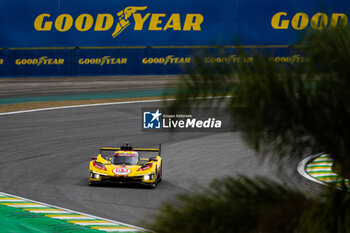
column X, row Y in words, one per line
column 125, row 158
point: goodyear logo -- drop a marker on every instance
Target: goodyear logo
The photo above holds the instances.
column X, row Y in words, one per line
column 293, row 59
column 229, row 59
column 170, row 59
column 1, row 61
column 122, row 20
column 40, row 61
column 106, row 60
column 301, row 20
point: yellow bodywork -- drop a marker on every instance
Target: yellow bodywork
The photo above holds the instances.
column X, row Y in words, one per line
column 102, row 169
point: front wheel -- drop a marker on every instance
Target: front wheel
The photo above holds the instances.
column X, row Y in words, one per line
column 160, row 174
column 93, row 183
column 153, row 185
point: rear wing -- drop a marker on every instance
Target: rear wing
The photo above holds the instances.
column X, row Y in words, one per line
column 159, row 149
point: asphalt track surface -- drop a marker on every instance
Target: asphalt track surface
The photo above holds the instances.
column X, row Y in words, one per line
column 49, row 86
column 44, row 156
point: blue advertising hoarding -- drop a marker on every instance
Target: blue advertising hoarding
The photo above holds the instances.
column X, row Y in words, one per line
column 107, row 37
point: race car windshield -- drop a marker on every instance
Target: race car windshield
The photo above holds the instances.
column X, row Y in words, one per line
column 127, row 160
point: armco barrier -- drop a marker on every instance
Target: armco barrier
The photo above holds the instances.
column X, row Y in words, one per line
column 107, row 37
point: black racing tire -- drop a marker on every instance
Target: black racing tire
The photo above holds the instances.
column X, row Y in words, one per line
column 93, row 183
column 153, row 185
column 160, row 174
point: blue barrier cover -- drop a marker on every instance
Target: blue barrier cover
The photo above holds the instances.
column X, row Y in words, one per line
column 88, row 37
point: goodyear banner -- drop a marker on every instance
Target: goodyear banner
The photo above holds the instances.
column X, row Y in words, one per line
column 64, row 37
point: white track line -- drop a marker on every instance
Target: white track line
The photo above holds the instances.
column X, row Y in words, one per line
column 29, row 206
column 100, row 104
column 321, row 164
column 94, row 223
column 302, row 167
column 72, row 211
column 80, row 106
column 74, row 218
column 50, row 211
column 319, row 169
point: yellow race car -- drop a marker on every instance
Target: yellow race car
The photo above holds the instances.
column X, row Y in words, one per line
column 124, row 165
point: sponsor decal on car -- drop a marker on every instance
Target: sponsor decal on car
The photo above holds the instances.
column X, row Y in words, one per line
column 121, row 171
column 125, row 153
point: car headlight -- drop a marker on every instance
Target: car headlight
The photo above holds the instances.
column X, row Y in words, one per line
column 148, row 177
column 94, row 175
